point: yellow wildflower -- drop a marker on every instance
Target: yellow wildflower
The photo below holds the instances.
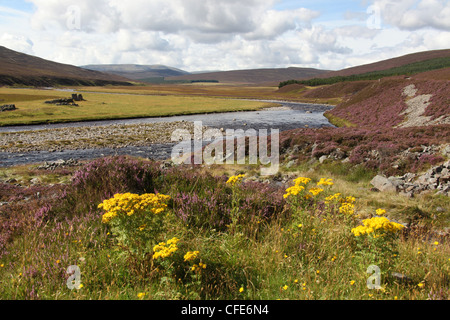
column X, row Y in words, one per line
column 325, row 182
column 347, row 208
column 293, row 191
column 378, row 226
column 141, row 295
column 234, row 180
column 332, row 198
column 302, row 180
column 241, row 289
column 285, row 287
column 315, row 191
column 163, row 250
column 129, row 204
column 380, row 212
column 189, row 256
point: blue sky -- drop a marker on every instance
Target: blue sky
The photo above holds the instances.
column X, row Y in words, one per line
column 224, row 34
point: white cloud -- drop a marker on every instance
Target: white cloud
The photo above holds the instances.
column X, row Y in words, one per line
column 224, row 34
column 17, row 43
column 414, row 15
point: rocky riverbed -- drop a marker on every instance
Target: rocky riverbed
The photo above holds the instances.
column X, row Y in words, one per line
column 114, row 136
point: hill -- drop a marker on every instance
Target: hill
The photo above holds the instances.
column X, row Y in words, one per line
column 254, row 76
column 21, row 69
column 420, row 100
column 137, row 72
column 389, row 63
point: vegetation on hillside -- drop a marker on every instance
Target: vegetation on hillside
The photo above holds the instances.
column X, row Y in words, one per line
column 406, row 70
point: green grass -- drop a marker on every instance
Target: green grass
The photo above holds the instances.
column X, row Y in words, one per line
column 33, row 110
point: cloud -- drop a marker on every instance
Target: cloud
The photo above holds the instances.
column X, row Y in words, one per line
column 415, row 15
column 17, row 43
column 225, row 34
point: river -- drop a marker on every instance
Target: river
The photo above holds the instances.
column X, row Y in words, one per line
column 290, row 115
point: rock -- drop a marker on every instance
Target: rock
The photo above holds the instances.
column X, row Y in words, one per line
column 383, row 184
column 322, row 159
column 8, row 107
column 290, row 164
column 401, row 277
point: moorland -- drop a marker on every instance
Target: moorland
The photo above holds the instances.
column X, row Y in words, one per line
column 144, row 229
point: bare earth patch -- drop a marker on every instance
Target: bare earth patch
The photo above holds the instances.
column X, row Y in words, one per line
column 417, row 106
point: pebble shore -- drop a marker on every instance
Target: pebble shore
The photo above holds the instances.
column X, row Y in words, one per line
column 91, row 137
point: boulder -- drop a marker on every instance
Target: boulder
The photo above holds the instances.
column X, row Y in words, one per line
column 383, row 184
column 8, row 107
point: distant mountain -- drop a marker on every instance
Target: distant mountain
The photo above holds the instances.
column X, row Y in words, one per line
column 21, row 69
column 255, row 76
column 137, row 72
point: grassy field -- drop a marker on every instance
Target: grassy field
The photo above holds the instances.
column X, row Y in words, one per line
column 215, row 239
column 32, row 108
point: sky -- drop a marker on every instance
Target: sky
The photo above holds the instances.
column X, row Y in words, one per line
column 200, row 35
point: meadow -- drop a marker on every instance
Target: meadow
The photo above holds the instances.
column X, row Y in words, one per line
column 138, row 231
column 115, row 105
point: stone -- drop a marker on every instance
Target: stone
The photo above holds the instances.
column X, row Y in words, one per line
column 401, row 277
column 383, row 184
column 8, row 107
column 322, row 159
column 290, row 164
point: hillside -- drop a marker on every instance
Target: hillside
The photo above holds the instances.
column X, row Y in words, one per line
column 254, row 76
column 137, row 72
column 389, row 64
column 420, row 100
column 22, row 69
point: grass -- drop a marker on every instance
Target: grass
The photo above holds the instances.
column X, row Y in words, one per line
column 267, row 255
column 33, row 110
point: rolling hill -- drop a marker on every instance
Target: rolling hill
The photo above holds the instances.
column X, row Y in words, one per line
column 254, row 76
column 137, row 72
column 21, row 69
column 389, row 63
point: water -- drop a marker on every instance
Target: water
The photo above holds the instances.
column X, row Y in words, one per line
column 289, row 116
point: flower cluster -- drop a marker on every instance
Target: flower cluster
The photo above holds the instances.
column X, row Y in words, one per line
column 165, row 250
column 293, row 191
column 298, row 187
column 332, row 198
column 347, row 206
column 380, row 212
column 325, row 182
column 190, row 256
column 235, row 180
column 301, row 182
column 129, row 204
column 315, row 191
column 377, row 226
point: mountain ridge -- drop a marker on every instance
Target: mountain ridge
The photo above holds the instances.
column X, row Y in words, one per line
column 22, row 69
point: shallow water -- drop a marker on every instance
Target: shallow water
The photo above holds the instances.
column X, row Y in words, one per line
column 289, row 116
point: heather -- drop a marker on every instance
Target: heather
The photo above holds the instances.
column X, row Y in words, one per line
column 138, row 229
column 385, row 150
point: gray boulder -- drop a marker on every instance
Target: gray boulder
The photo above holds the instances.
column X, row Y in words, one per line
column 383, row 184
